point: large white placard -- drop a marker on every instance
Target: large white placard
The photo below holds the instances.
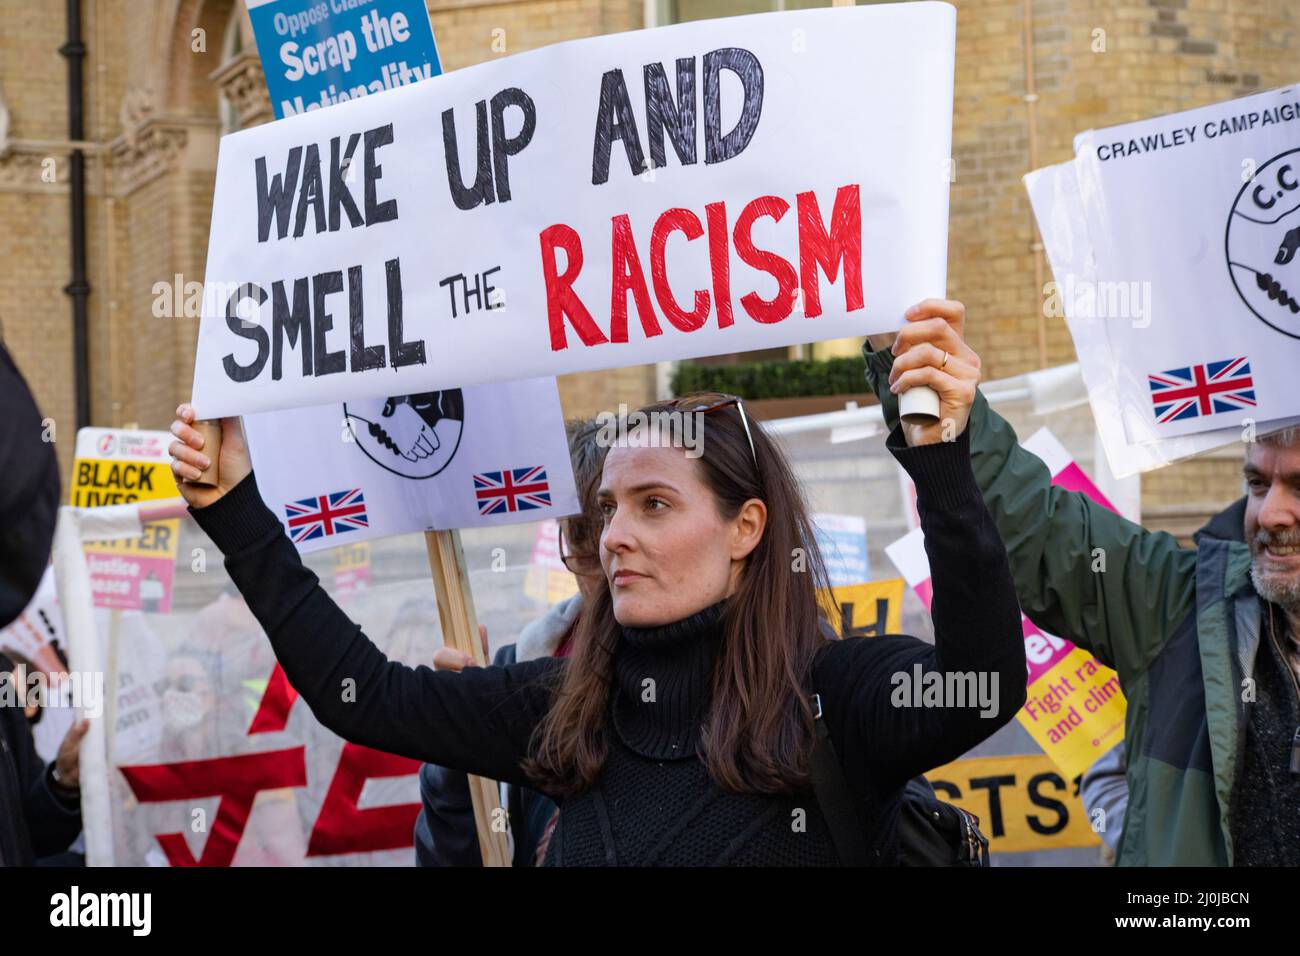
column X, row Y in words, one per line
column 1054, row 194
column 692, row 190
column 1198, row 215
column 1083, row 299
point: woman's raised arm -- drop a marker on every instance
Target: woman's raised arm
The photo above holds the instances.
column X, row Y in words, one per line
column 479, row 720
column 913, row 706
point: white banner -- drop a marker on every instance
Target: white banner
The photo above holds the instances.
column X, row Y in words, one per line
column 1083, row 300
column 1195, row 218
column 214, row 763
column 699, row 189
column 459, row 458
column 38, row 636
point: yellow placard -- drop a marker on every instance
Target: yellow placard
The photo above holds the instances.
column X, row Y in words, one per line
column 865, row 610
column 98, row 482
column 1023, row 802
column 351, row 568
column 1075, row 711
column 117, row 467
column 351, row 557
column 548, row 585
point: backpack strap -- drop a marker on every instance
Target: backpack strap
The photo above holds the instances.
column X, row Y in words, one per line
column 833, row 796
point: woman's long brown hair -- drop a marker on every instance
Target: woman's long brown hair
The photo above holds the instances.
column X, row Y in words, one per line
column 756, row 731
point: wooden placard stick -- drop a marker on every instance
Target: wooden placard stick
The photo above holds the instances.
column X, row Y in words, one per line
column 460, row 630
column 110, row 682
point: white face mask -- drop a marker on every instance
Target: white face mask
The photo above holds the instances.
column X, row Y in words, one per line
column 181, row 710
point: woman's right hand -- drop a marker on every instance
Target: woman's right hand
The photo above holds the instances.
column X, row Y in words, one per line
column 189, row 459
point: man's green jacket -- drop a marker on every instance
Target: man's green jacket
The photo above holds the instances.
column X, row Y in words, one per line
column 1180, row 626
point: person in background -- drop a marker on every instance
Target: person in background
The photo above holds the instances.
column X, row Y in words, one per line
column 1206, row 641
column 203, row 715
column 23, row 669
column 29, row 494
column 1104, row 794
column 1104, row 789
column 445, row 833
column 40, row 804
column 26, row 674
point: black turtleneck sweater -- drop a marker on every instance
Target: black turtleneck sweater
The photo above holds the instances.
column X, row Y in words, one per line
column 655, row 803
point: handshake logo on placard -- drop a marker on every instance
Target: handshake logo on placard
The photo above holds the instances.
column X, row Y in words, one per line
column 1262, row 239
column 414, row 436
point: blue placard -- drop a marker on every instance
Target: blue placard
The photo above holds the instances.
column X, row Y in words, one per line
column 316, row 53
column 842, row 540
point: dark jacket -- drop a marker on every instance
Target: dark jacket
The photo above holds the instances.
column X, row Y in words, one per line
column 445, row 830
column 1105, row 786
column 445, row 833
column 29, row 493
column 36, row 818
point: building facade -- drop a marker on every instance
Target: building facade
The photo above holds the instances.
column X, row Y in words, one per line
column 165, row 78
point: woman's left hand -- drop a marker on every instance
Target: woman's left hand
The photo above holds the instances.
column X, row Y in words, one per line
column 930, row 350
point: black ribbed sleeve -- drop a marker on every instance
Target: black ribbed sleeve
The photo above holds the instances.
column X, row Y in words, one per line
column 479, row 720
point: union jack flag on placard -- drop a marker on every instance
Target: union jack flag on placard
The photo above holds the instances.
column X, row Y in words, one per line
column 513, row 489
column 334, row 513
column 1196, row 390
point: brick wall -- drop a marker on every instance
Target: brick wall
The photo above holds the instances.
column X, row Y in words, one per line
column 152, row 113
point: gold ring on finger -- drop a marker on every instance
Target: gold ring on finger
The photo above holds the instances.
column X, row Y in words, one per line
column 946, row 356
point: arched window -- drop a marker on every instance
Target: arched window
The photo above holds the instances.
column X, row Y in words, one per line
column 242, row 100
column 232, row 44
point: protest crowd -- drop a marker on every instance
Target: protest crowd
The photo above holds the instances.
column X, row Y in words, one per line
column 481, row 532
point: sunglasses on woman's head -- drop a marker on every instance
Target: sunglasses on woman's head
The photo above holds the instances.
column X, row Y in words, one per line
column 724, row 402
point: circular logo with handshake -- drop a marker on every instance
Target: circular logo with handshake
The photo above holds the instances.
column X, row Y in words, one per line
column 415, row 436
column 1263, row 243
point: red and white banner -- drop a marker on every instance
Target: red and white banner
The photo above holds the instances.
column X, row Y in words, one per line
column 214, row 762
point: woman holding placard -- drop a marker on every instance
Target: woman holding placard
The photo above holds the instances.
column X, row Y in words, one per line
column 692, row 723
